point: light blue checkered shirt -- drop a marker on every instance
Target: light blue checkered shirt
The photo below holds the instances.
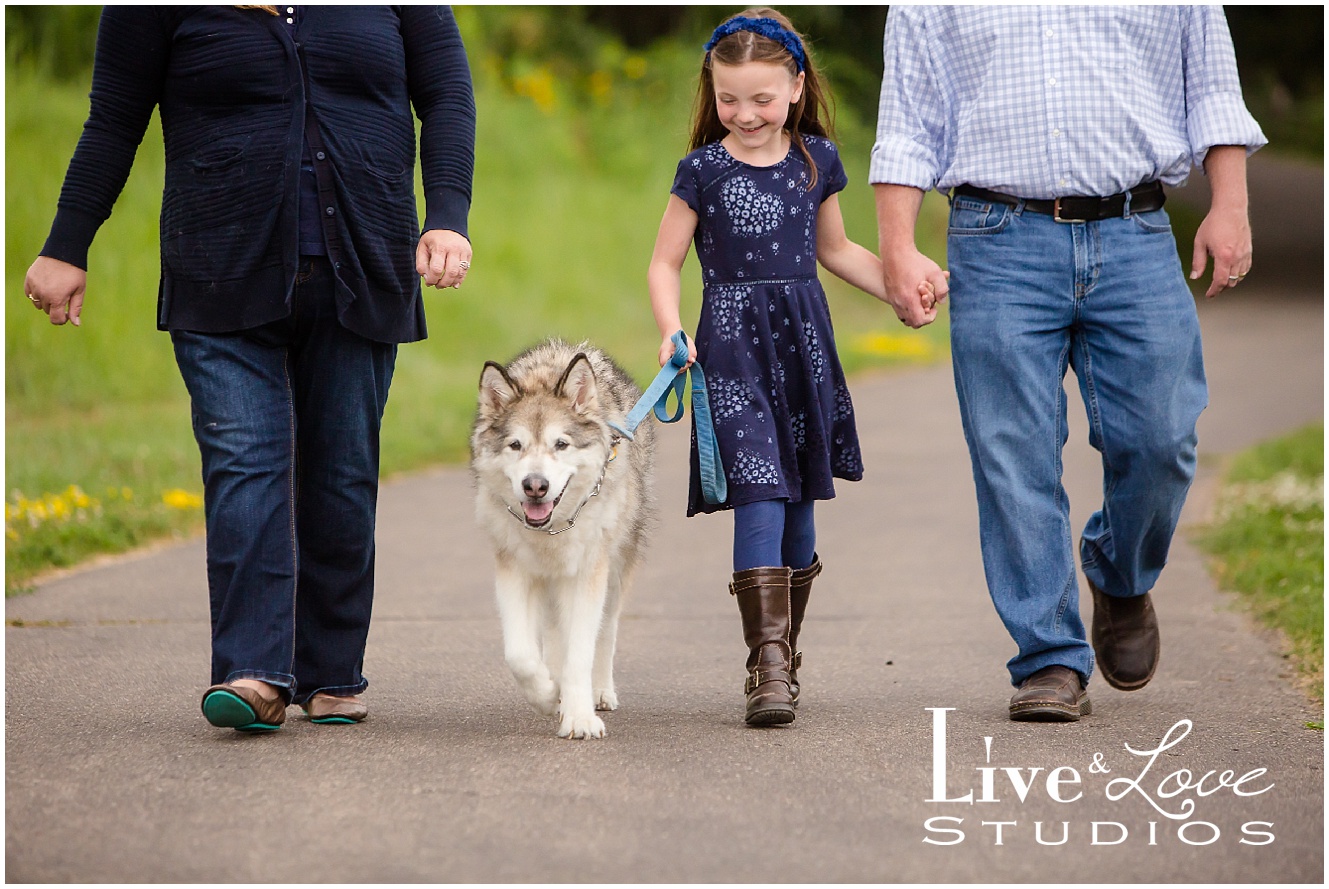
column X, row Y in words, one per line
column 1048, row 101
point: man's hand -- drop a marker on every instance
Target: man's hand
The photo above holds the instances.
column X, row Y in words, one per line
column 915, row 285
column 1225, row 233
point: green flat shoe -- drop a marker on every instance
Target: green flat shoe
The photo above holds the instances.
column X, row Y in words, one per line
column 243, row 709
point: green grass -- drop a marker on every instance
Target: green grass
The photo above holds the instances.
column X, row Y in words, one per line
column 1267, row 542
column 569, row 189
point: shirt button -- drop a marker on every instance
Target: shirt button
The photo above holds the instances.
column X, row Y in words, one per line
column 291, row 11
column 331, row 211
column 1054, row 133
column 1047, row 33
column 290, row 21
column 321, row 156
column 1059, row 182
column 1052, row 81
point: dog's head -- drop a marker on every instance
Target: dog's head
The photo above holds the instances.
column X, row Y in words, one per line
column 539, row 437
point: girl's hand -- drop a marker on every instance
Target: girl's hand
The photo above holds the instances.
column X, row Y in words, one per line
column 667, row 351
column 442, row 258
column 929, row 300
column 56, row 288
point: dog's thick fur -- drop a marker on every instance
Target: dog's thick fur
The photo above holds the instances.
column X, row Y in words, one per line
column 540, row 440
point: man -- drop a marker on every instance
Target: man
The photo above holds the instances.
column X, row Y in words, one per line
column 1054, row 130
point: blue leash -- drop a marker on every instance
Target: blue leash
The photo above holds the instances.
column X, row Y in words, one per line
column 671, row 379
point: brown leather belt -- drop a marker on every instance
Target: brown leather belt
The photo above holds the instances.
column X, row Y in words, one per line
column 1077, row 208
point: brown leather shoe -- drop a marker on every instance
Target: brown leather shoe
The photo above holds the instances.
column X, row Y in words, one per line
column 1053, row 694
column 800, row 586
column 326, row 709
column 243, row 709
column 763, row 603
column 1125, row 637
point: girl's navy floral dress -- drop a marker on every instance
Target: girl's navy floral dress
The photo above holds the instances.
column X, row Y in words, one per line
column 783, row 418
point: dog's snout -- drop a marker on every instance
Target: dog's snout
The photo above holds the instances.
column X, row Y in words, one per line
column 535, row 486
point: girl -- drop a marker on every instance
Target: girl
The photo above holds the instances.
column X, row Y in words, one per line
column 758, row 195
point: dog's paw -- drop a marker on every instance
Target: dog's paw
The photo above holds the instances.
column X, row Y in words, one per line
column 581, row 727
column 605, row 699
column 543, row 697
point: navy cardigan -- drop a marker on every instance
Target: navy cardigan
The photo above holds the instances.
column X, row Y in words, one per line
column 234, row 87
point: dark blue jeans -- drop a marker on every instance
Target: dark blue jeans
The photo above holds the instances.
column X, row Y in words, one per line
column 287, row 420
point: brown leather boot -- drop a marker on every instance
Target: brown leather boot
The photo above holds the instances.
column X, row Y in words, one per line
column 763, row 603
column 800, row 586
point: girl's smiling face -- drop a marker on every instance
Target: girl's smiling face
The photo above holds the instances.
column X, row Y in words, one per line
column 753, row 101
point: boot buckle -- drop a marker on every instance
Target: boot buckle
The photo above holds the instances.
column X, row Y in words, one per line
column 758, row 676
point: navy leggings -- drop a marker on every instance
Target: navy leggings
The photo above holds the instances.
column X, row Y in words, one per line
column 773, row 533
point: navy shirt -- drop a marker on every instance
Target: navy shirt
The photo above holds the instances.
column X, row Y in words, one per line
column 240, row 92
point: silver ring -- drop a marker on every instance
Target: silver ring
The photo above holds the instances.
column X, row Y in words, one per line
column 1235, row 277
column 465, row 264
column 35, row 301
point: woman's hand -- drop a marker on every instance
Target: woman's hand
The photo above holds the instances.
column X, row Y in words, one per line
column 56, row 287
column 443, row 258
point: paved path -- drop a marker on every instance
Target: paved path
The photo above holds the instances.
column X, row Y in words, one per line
column 112, row 774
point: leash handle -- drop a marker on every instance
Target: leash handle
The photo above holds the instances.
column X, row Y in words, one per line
column 672, row 379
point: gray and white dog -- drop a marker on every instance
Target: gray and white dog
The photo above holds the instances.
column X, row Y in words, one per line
column 566, row 501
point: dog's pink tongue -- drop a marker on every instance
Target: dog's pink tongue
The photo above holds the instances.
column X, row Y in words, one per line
column 537, row 512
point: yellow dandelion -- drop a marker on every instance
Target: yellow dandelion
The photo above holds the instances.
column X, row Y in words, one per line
column 893, row 345
column 634, row 67
column 179, row 499
column 602, row 87
column 538, row 86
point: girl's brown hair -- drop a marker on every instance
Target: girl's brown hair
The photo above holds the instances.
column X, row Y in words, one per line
column 811, row 114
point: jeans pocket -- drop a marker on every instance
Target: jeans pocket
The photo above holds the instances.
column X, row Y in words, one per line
column 1155, row 222
column 970, row 216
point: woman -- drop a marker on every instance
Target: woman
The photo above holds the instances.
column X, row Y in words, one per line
column 291, row 258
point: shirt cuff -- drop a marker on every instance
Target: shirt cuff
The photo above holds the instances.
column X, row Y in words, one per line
column 897, row 161
column 71, row 236
column 447, row 208
column 1222, row 119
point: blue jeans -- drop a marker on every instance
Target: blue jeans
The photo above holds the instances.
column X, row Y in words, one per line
column 1030, row 297
column 287, row 420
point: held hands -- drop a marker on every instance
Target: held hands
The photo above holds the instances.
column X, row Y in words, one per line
column 915, row 304
column 1225, row 234
column 56, row 288
column 442, row 258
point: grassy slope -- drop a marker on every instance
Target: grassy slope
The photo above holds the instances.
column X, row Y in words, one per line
column 568, row 196
column 1267, row 542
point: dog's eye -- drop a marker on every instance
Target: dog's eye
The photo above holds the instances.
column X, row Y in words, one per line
column 561, row 444
column 514, row 445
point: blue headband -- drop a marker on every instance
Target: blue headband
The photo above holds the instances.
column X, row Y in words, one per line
column 768, row 28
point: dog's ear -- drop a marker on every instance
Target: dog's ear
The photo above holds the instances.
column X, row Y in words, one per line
column 578, row 384
column 497, row 389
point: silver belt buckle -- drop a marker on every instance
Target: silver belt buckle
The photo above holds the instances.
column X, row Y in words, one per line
column 1056, row 213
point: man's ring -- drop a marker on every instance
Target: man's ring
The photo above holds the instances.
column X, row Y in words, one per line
column 35, row 301
column 465, row 264
column 1235, row 277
